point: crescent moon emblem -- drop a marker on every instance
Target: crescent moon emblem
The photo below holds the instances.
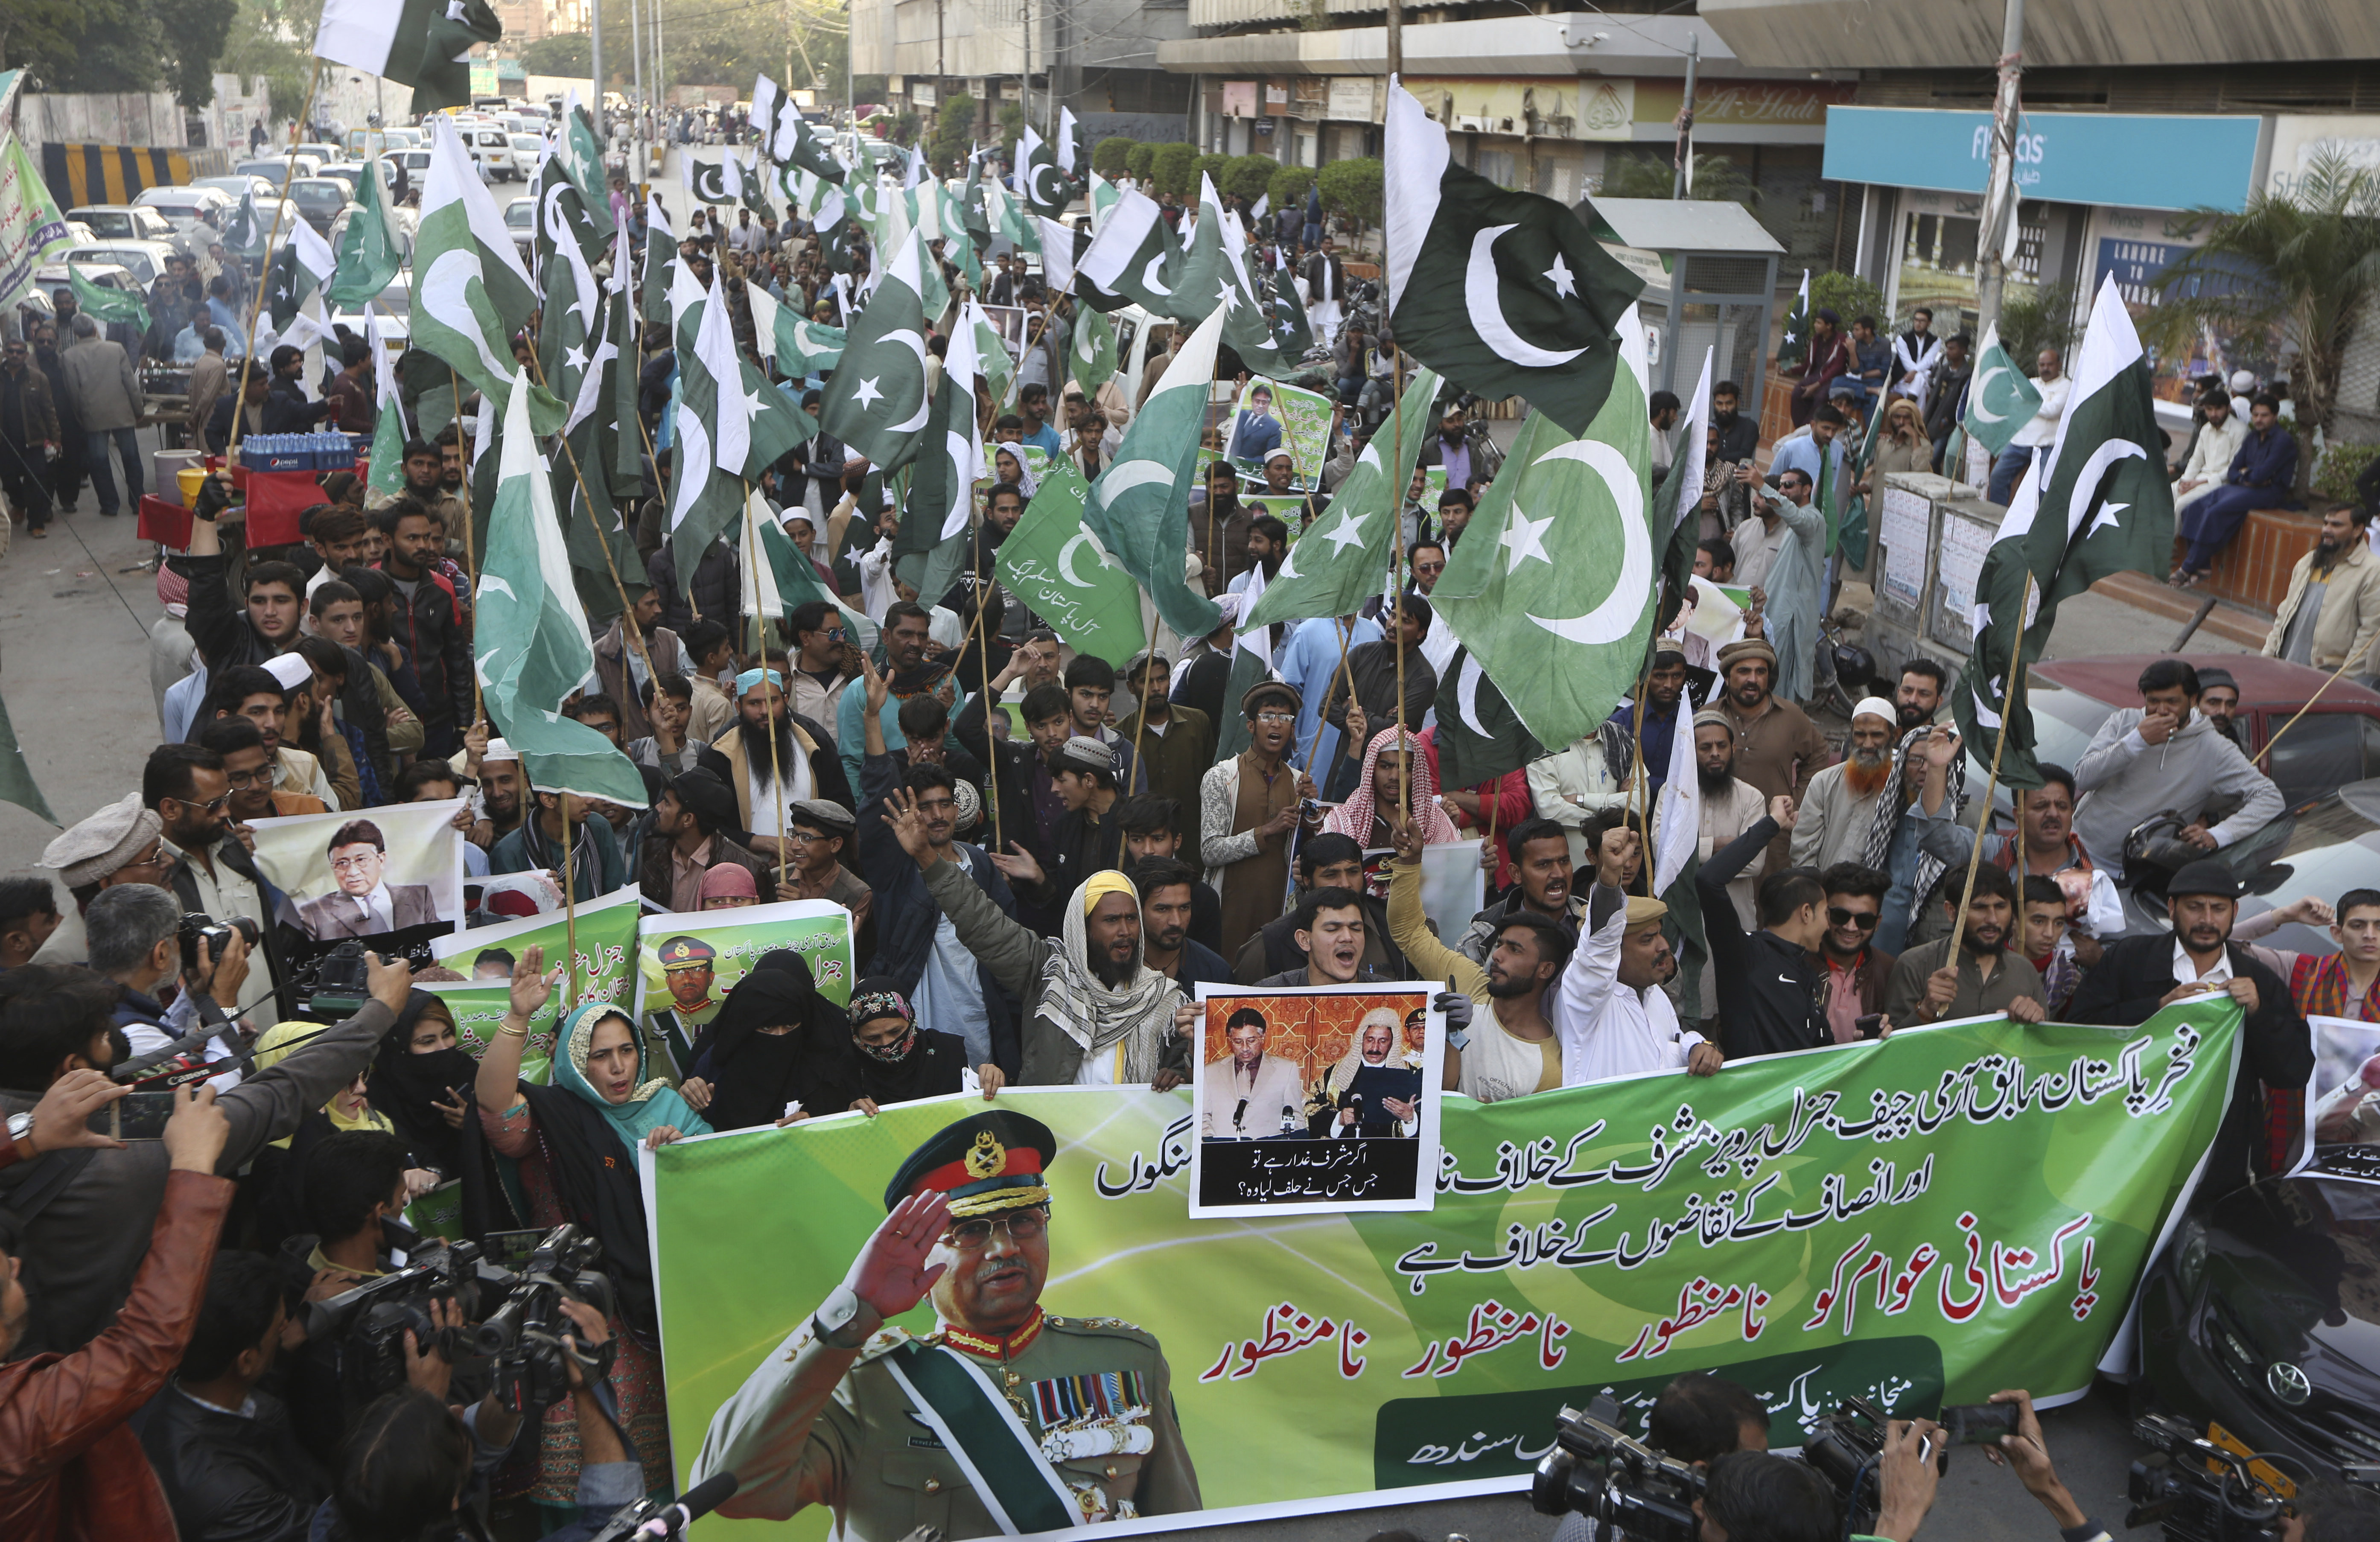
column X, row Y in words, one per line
column 446, row 297
column 1075, row 543
column 2094, row 471
column 910, row 340
column 1466, row 695
column 565, row 246
column 1617, row 615
column 957, row 448
column 1982, row 389
column 1487, row 314
column 1121, row 480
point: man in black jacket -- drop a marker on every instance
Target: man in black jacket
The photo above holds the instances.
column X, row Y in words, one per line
column 286, row 410
column 1772, row 989
column 1029, row 807
column 716, row 588
column 268, row 624
column 2139, row 975
column 428, row 623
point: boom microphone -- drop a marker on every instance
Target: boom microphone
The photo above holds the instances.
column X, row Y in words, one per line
column 696, row 1502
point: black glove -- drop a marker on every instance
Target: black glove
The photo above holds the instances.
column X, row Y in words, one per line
column 213, row 498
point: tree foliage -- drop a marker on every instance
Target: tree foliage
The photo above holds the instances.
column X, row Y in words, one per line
column 954, row 129
column 118, row 46
column 1351, row 190
column 564, row 53
column 1206, row 168
column 1248, row 178
column 1172, row 169
column 1139, row 161
column 1848, row 296
column 1108, row 156
column 1642, row 173
column 1288, row 184
column 2307, row 265
column 264, row 42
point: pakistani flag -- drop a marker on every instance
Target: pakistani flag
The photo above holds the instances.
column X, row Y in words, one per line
column 942, row 493
column 108, row 307
column 387, row 475
column 795, row 581
column 999, row 366
column 423, row 43
column 16, row 784
column 1134, row 260
column 531, row 635
column 1506, row 292
column 567, row 244
column 1251, row 662
column 298, row 269
column 1795, row 341
column 732, row 424
column 1091, row 358
column 1343, row 558
column 796, row 143
column 1103, row 197
column 1008, row 219
column 2097, row 503
column 879, row 403
column 1054, row 564
column 1289, row 326
column 1215, row 277
column 471, row 291
column 1479, row 735
column 2001, row 398
column 247, row 233
column 580, row 150
column 1041, row 181
column 1682, row 492
column 661, row 256
column 370, row 252
column 713, row 182
column 971, row 214
column 1140, row 506
column 1061, row 247
column 1552, row 586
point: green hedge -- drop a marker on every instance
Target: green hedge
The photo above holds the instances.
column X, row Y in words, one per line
column 1170, row 171
column 1108, row 156
column 1249, row 178
column 2341, row 464
column 1352, row 188
column 1288, row 183
column 1138, row 160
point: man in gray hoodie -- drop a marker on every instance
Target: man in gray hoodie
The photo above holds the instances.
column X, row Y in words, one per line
column 2164, row 756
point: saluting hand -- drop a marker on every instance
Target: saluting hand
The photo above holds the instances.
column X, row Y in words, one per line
column 892, row 1274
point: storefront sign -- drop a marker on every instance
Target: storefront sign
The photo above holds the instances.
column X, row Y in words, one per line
column 1239, row 99
column 1350, row 99
column 1744, row 103
column 2300, row 141
column 2096, row 158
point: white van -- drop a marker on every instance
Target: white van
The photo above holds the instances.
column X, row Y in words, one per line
column 492, row 149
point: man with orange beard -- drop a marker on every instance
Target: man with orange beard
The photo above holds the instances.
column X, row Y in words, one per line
column 1839, row 806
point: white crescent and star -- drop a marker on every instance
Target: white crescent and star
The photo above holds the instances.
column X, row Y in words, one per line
column 1620, row 611
column 1982, row 389
column 867, row 394
column 909, row 339
column 1075, row 543
column 1466, row 695
column 1487, row 312
column 1524, row 540
column 1350, row 531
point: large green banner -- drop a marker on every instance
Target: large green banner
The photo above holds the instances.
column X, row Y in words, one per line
column 1930, row 1217
column 605, row 930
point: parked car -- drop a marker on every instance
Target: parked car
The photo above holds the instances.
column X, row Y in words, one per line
column 521, row 218
column 320, row 200
column 492, row 148
column 184, row 208
column 52, row 277
column 239, row 186
column 143, row 259
column 280, row 170
column 528, row 150
column 123, row 222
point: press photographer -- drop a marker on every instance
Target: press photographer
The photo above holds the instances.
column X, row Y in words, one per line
column 140, row 937
column 86, row 1215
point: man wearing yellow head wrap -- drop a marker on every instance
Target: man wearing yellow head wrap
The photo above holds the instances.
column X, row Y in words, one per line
column 1095, row 1015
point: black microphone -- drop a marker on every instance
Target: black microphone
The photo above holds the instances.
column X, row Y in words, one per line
column 1240, row 1114
column 695, row 1503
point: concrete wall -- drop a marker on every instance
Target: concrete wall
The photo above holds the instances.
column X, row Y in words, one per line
column 154, row 119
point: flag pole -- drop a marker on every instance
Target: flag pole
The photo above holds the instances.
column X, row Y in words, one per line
column 776, row 771
column 280, row 206
column 470, row 552
column 1396, row 607
column 1999, row 742
column 569, row 907
column 2305, row 709
column 1636, row 780
column 635, row 634
column 983, row 657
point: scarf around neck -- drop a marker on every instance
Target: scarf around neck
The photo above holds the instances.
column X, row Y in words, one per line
column 1082, row 1007
column 650, row 1103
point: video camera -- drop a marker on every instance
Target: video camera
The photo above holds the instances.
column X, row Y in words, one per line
column 1606, row 1475
column 513, row 1319
column 198, row 927
column 2200, row 1492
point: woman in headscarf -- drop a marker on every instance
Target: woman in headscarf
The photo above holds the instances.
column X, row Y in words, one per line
column 274, row 1178
column 576, row 1144
column 729, row 886
column 899, row 1061
column 423, row 1082
column 1371, row 810
column 774, row 1041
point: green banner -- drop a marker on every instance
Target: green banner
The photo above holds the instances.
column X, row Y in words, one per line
column 687, row 963
column 606, row 930
column 1053, row 563
column 1922, row 1219
column 1305, row 417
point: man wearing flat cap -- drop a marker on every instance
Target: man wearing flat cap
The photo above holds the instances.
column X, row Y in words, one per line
column 2138, row 975
column 1250, row 809
column 1003, row 1418
column 822, row 833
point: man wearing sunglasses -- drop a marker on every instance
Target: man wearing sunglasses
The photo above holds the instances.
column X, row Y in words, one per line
column 189, row 789
column 894, row 1431
column 1857, row 970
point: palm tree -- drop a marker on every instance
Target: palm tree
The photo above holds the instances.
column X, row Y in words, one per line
column 2307, row 265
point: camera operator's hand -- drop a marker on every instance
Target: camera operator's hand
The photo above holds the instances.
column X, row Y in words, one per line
column 1907, row 1474
column 391, row 980
column 593, row 1330
column 196, row 1132
column 2028, row 1455
column 61, row 1120
column 428, row 1368
column 225, row 975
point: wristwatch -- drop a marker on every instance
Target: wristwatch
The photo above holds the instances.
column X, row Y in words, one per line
column 20, row 1131
column 831, row 1322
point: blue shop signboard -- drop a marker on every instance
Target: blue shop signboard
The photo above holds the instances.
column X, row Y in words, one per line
column 2118, row 159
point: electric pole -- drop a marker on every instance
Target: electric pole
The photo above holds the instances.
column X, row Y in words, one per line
column 1996, row 239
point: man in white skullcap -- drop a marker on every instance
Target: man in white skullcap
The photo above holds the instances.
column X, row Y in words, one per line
column 299, row 772
column 1839, row 806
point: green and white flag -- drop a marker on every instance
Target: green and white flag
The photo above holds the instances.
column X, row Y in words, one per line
column 16, row 784
column 303, row 265
column 713, row 182
column 1793, row 344
column 2001, row 398
column 1343, row 559
column 1008, row 218
column 1040, row 182
column 1134, row 260
column 422, row 44
column 2095, row 502
column 370, row 252
column 247, row 233
column 1140, row 506
column 567, row 244
column 531, row 635
column 1092, row 355
column 1290, row 327
column 1215, row 277
column 580, row 150
column 941, row 495
column 471, row 291
column 798, row 145
column 1103, row 196
column 732, row 424
column 32, row 226
column 1055, row 565
column 999, row 366
column 661, row 256
column 1552, row 586
column 386, row 476
column 108, row 307
column 792, row 579
column 879, row 403
column 1479, row 735
column 1508, row 293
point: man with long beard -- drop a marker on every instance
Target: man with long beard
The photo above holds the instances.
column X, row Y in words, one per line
column 1928, row 986
column 769, row 779
column 1839, row 807
column 2332, row 611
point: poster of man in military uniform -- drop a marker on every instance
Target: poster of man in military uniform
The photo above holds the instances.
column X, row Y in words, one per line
column 1006, row 1419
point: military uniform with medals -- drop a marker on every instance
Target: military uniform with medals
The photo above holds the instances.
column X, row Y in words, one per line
column 1066, row 1412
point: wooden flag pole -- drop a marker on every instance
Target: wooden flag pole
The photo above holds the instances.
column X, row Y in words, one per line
column 628, row 628
column 991, row 746
column 1999, row 742
column 2302, row 710
column 1638, row 782
column 280, row 206
column 569, row 907
column 776, row 771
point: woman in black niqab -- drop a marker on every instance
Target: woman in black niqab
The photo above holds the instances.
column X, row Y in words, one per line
column 775, row 1041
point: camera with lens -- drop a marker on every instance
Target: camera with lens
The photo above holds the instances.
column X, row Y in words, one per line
column 522, row 1338
column 198, row 927
column 1602, row 1472
column 1846, row 1447
column 369, row 1323
column 2200, row 1492
column 334, row 986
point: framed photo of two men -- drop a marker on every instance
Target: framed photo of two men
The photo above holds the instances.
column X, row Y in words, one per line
column 1316, row 1099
